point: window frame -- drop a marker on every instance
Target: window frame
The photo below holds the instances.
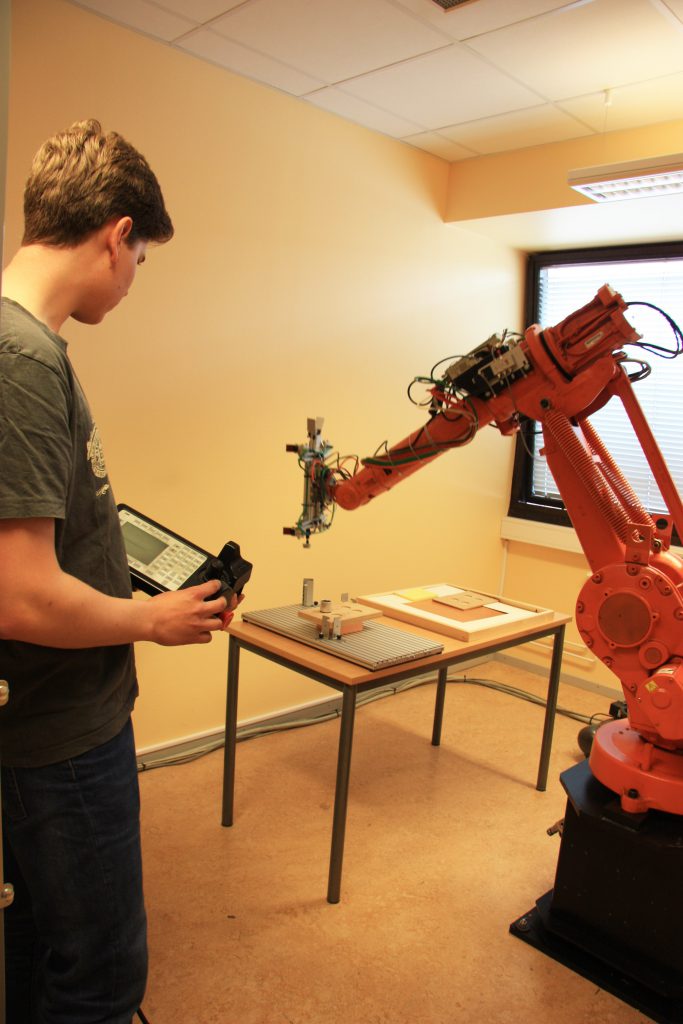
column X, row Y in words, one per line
column 523, row 504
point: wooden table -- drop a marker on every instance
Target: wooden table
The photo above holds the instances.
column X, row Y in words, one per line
column 351, row 680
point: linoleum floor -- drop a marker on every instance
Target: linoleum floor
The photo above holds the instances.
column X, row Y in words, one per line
column 445, row 847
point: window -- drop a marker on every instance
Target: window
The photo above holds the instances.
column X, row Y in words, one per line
column 559, row 283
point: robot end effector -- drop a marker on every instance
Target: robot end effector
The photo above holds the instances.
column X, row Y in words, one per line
column 316, row 507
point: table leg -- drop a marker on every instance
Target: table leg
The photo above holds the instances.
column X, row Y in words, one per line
column 230, row 731
column 438, row 707
column 341, row 793
column 550, row 709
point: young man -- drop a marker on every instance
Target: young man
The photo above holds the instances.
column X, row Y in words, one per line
column 75, row 933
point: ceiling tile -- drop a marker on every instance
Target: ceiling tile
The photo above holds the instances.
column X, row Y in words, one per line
column 199, row 10
column 436, row 144
column 660, row 99
column 337, row 102
column 142, row 16
column 517, row 130
column 461, row 87
column 483, row 16
column 675, row 6
column 219, row 50
column 330, row 40
column 469, row 81
column 585, row 48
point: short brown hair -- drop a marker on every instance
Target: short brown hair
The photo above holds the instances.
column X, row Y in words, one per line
column 81, row 179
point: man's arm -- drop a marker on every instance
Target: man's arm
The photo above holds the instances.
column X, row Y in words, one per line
column 41, row 604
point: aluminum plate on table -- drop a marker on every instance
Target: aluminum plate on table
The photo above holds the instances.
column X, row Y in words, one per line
column 375, row 646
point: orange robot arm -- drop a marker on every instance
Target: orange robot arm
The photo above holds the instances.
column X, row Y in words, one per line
column 630, row 612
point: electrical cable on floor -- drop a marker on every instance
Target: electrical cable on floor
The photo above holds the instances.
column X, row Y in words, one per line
column 265, row 729
column 533, row 698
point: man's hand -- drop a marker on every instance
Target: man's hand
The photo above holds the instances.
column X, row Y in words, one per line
column 187, row 616
column 227, row 616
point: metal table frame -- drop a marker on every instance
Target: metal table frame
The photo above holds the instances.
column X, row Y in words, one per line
column 349, row 692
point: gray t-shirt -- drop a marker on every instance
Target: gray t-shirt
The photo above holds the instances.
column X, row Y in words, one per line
column 62, row 702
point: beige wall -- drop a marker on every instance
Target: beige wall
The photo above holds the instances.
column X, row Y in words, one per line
column 553, row 579
column 311, row 274
column 536, row 178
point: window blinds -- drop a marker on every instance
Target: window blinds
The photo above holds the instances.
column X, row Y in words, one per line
column 565, row 288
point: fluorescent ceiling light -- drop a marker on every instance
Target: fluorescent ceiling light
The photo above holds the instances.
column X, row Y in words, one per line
column 449, row 5
column 655, row 176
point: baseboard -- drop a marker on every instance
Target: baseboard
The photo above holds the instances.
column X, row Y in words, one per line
column 582, row 684
column 299, row 714
column 188, row 745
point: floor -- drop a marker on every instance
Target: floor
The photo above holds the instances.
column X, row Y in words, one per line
column 445, row 847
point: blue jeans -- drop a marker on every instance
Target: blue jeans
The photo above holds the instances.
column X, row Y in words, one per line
column 76, row 944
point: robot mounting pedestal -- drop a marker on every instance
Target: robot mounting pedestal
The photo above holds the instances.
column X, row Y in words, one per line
column 614, row 913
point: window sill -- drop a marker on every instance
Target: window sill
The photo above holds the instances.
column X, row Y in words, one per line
column 548, row 535
column 542, row 535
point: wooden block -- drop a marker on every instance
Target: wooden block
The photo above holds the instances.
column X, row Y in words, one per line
column 351, row 615
column 466, row 599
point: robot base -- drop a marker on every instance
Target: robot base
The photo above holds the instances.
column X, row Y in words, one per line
column 614, row 913
column 646, row 776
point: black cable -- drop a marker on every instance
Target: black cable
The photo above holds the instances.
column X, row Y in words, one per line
column 553, row 359
column 446, row 359
column 430, row 449
column 142, row 1016
column 513, row 691
column 659, row 350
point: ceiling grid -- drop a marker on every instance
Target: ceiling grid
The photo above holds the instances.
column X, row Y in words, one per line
column 486, row 76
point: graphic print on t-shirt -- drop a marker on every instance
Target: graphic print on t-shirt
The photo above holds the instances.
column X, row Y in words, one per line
column 95, row 454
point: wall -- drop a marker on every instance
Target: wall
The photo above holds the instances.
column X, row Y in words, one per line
column 311, row 274
column 535, row 178
column 553, row 578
